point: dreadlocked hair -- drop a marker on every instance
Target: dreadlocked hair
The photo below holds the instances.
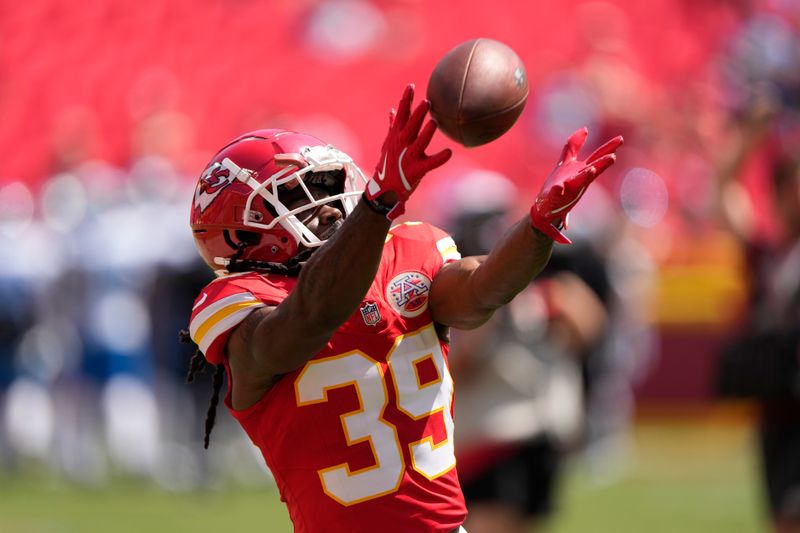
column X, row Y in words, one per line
column 211, row 414
column 198, row 364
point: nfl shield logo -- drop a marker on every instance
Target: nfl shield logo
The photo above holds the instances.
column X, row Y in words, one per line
column 370, row 313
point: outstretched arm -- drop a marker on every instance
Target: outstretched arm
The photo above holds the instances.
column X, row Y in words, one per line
column 276, row 340
column 466, row 293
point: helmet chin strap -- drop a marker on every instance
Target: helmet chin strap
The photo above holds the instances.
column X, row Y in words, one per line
column 289, row 268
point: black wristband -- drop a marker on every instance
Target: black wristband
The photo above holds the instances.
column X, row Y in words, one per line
column 559, row 225
column 539, row 233
column 376, row 206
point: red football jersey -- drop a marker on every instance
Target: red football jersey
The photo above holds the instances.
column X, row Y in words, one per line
column 361, row 437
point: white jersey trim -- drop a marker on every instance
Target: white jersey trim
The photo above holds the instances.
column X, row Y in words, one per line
column 220, row 304
column 226, row 324
column 220, row 316
column 447, row 247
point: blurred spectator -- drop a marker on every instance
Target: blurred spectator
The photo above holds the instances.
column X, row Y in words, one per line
column 621, row 218
column 17, row 292
column 98, row 266
column 761, row 361
column 520, row 403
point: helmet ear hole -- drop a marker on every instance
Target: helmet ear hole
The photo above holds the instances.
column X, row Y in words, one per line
column 251, row 238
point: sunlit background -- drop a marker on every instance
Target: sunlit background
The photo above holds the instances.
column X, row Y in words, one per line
column 109, row 110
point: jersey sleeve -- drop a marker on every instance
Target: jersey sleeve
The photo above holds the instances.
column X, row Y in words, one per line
column 435, row 246
column 222, row 305
column 446, row 246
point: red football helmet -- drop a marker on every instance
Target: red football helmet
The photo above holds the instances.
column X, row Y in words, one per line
column 237, row 206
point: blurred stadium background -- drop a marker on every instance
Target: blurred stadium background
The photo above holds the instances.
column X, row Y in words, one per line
column 110, row 109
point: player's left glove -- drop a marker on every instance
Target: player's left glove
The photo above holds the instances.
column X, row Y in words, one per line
column 403, row 160
column 567, row 182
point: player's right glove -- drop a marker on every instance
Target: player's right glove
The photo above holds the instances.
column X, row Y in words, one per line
column 567, row 182
column 403, row 160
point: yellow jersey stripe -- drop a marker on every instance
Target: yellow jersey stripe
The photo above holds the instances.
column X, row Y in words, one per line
column 409, row 223
column 198, row 335
column 447, row 247
column 451, row 253
column 226, row 324
column 220, row 304
column 444, row 243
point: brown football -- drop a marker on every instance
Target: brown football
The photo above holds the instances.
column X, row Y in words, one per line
column 478, row 91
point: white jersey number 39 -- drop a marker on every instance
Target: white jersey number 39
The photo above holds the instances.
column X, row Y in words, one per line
column 414, row 398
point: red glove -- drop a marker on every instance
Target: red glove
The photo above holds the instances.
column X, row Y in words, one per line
column 567, row 182
column 403, row 161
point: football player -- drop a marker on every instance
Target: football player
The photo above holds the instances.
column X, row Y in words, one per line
column 331, row 325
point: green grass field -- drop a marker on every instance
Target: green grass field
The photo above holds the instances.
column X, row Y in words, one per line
column 683, row 476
